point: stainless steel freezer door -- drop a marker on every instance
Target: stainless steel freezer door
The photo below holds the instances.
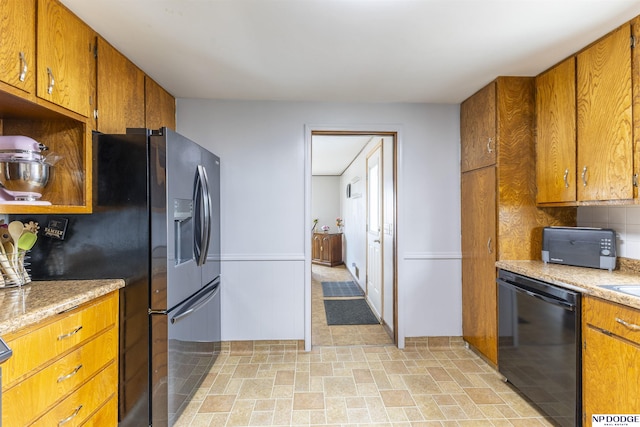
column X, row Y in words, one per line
column 186, row 343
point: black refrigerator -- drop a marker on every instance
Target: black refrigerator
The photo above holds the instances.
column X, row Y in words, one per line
column 155, row 223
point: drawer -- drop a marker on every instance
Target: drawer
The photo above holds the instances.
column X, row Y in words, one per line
column 37, row 345
column 81, row 404
column 615, row 318
column 107, row 415
column 33, row 396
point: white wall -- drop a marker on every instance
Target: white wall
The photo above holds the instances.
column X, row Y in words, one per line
column 325, row 201
column 625, row 220
column 264, row 236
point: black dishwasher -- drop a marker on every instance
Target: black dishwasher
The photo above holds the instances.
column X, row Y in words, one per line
column 539, row 344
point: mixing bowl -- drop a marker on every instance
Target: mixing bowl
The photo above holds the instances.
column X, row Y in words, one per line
column 24, row 176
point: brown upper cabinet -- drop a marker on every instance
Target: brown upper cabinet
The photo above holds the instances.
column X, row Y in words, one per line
column 556, row 136
column 120, row 95
column 478, row 129
column 18, row 48
column 605, row 145
column 160, row 106
column 584, row 143
column 65, row 58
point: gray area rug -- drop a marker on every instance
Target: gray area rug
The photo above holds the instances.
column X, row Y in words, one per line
column 349, row 312
column 341, row 289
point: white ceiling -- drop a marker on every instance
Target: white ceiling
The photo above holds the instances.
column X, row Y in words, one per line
column 332, row 154
column 428, row 51
column 436, row 51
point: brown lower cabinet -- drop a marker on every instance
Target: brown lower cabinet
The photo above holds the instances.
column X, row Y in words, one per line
column 64, row 370
column 326, row 249
column 610, row 359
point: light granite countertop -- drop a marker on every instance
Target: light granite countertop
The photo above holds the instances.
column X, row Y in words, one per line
column 588, row 281
column 31, row 303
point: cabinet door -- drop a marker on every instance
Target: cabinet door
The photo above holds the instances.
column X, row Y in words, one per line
column 605, row 150
column 556, row 134
column 160, row 106
column 18, row 46
column 610, row 375
column 478, row 129
column 325, row 249
column 316, row 244
column 479, row 294
column 66, row 59
column 120, row 94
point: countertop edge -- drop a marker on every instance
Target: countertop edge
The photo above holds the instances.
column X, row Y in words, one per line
column 76, row 292
column 588, row 281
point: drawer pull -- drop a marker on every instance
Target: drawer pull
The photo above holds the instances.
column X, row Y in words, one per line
column 70, row 374
column 70, row 334
column 70, row 417
column 628, row 325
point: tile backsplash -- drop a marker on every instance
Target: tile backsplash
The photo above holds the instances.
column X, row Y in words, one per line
column 625, row 220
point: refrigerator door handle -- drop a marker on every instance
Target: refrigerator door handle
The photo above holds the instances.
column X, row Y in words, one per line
column 206, row 194
column 202, row 202
column 196, row 305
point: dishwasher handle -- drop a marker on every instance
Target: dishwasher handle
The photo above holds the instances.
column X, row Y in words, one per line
column 554, row 301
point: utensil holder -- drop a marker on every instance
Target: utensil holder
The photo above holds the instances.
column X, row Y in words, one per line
column 14, row 269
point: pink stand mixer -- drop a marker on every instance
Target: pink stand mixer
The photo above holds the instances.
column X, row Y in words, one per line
column 24, row 170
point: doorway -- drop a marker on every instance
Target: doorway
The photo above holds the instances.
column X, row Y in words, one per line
column 348, row 194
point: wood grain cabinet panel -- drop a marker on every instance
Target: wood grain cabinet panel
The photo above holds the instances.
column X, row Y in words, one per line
column 500, row 219
column 120, row 94
column 556, row 133
column 64, row 368
column 479, row 298
column 65, row 59
column 610, row 359
column 604, row 119
column 160, row 106
column 18, row 48
column 478, row 129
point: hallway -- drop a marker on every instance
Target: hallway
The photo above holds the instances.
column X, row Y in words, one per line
column 324, row 335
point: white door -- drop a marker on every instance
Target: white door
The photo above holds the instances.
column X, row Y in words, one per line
column 374, row 230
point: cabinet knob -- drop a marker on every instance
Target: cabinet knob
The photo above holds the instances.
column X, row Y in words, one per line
column 584, row 176
column 566, row 178
column 489, row 248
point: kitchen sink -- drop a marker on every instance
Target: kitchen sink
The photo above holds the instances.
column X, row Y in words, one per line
column 632, row 289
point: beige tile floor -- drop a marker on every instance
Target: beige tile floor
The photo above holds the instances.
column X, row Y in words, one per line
column 367, row 383
column 321, row 333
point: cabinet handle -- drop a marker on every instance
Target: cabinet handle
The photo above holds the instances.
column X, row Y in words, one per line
column 75, row 331
column 489, row 246
column 70, row 417
column 584, row 176
column 51, row 81
column 489, row 149
column 70, row 374
column 628, row 325
column 23, row 67
column 566, row 178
